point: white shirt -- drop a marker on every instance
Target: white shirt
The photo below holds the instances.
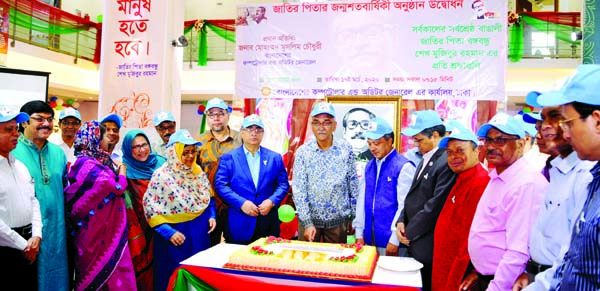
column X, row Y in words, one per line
column 551, row 234
column 18, row 205
column 402, row 186
column 536, row 159
column 69, row 151
column 426, row 159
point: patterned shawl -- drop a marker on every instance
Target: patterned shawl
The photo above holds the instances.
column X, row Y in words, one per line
column 136, row 169
column 177, row 193
column 87, row 144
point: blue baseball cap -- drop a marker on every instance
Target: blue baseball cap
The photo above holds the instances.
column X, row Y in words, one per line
column 183, row 136
column 421, row 120
column 112, row 117
column 251, row 120
column 378, row 127
column 451, row 124
column 531, row 99
column 162, row 116
column 216, row 103
column 502, row 122
column 527, row 126
column 322, row 107
column 69, row 112
column 459, row 133
column 582, row 87
column 532, row 117
column 8, row 115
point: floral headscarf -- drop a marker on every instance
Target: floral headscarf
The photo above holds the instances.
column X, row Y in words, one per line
column 87, row 144
column 176, row 193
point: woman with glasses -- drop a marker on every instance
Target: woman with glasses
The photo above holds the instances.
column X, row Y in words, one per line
column 141, row 162
column 95, row 203
column 179, row 206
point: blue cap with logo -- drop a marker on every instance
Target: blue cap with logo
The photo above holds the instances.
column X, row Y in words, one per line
column 216, row 103
column 532, row 117
column 378, row 127
column 251, row 120
column 460, row 133
column 451, row 124
column 527, row 126
column 183, row 136
column 322, row 107
column 8, row 115
column 504, row 123
column 421, row 120
column 582, row 87
column 114, row 118
column 69, row 112
column 162, row 116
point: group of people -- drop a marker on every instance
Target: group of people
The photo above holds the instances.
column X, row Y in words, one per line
column 79, row 216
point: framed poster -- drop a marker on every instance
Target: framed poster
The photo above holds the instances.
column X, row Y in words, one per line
column 353, row 114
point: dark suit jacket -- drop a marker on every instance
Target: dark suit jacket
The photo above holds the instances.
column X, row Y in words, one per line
column 424, row 202
column 233, row 183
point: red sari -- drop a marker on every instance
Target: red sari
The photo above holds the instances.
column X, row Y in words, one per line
column 139, row 234
column 450, row 247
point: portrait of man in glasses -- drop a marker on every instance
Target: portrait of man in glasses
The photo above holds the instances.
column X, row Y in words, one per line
column 355, row 123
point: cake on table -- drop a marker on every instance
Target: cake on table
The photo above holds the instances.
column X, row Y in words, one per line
column 353, row 262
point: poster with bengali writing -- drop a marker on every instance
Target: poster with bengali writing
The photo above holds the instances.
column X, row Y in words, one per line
column 430, row 49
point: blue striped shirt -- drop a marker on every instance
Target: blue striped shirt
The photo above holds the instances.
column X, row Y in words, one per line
column 580, row 269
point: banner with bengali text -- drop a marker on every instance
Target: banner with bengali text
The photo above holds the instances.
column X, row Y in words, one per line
column 132, row 70
column 431, row 49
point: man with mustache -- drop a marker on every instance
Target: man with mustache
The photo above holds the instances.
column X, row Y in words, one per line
column 165, row 125
column 324, row 182
column 112, row 122
column 69, row 121
column 356, row 123
column 217, row 141
column 47, row 165
column 20, row 217
column 499, row 235
column 569, row 178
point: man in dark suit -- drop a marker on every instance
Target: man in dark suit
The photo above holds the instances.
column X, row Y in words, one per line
column 252, row 180
column 428, row 192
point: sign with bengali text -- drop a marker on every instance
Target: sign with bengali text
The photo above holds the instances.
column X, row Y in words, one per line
column 433, row 49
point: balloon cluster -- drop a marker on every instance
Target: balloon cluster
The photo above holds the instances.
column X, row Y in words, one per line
column 201, row 109
column 289, row 221
column 59, row 104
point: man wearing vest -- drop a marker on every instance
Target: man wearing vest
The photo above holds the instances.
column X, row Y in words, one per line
column 386, row 181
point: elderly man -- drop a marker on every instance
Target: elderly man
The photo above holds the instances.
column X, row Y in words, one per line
column 165, row 126
column 381, row 196
column 20, row 217
column 450, row 253
column 47, row 165
column 69, row 121
column 498, row 240
column 219, row 140
column 324, row 182
column 580, row 104
column 356, row 122
column 569, row 178
column 112, row 122
column 428, row 191
column 253, row 181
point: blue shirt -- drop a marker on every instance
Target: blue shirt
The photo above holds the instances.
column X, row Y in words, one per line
column 551, row 234
column 253, row 163
column 580, row 269
column 325, row 184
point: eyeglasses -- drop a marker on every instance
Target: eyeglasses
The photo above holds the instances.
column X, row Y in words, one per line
column 215, row 115
column 165, row 128
column 326, row 124
column 364, row 124
column 140, row 146
column 42, row 119
column 418, row 140
column 567, row 124
column 254, row 130
column 68, row 123
column 499, row 141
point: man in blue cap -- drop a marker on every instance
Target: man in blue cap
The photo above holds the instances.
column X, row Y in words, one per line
column 387, row 179
column 428, row 192
column 531, row 151
column 253, row 181
column 580, row 102
column 324, row 181
column 217, row 141
column 69, row 121
column 112, row 124
column 165, row 125
column 499, row 235
column 20, row 217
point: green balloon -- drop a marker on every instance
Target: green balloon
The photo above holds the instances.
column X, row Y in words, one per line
column 286, row 213
column 99, row 18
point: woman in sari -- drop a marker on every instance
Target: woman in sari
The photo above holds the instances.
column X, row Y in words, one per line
column 95, row 205
column 141, row 163
column 179, row 207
